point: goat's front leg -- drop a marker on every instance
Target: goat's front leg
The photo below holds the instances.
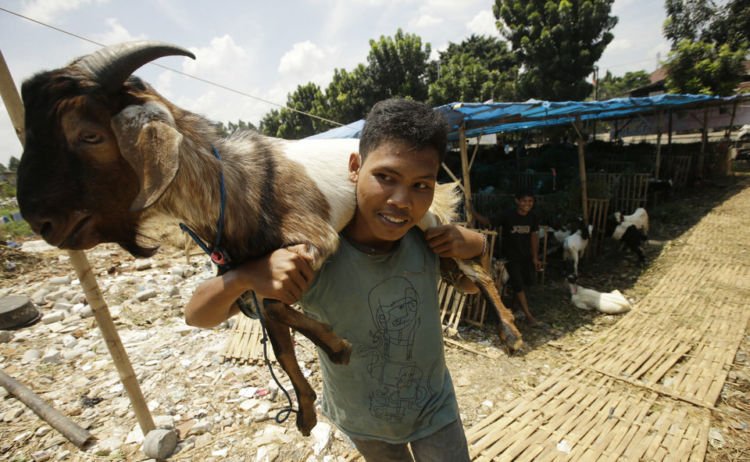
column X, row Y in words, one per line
column 339, row 350
column 281, row 341
column 508, row 331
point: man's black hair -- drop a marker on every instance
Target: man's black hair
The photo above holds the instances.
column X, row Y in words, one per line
column 404, row 120
column 521, row 193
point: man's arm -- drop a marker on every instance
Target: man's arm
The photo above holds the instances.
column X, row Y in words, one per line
column 535, row 251
column 282, row 275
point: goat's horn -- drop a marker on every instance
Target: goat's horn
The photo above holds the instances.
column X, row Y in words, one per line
column 112, row 65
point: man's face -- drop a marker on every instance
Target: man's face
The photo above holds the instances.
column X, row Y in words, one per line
column 525, row 204
column 395, row 186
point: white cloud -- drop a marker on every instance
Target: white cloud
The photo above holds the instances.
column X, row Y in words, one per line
column 483, row 24
column 620, row 44
column 302, row 57
column 50, row 10
column 222, row 61
column 425, row 21
column 116, row 34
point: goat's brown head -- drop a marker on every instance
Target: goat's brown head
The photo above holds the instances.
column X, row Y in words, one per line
column 94, row 139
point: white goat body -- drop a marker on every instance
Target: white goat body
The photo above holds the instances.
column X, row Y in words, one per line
column 574, row 246
column 606, row 302
column 639, row 218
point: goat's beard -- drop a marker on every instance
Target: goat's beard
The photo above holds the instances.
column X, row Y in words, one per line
column 137, row 250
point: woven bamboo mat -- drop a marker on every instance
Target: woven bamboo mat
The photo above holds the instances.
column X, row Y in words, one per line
column 244, row 344
column 643, row 389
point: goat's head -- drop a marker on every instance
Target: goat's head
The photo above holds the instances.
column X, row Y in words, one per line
column 94, row 137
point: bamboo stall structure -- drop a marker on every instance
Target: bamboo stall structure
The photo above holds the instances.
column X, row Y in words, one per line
column 80, row 263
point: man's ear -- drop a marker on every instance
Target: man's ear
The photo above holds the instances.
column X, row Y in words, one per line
column 355, row 163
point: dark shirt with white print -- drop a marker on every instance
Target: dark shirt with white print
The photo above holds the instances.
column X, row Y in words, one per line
column 516, row 234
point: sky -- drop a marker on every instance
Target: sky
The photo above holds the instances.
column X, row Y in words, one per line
column 265, row 49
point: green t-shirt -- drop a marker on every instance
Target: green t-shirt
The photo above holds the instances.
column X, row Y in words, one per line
column 396, row 387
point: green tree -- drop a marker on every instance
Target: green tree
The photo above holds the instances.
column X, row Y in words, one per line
column 706, row 68
column 232, row 127
column 477, row 69
column 611, row 86
column 709, row 45
column 687, row 19
column 398, row 66
column 3, row 168
column 349, row 95
column 293, row 121
column 556, row 42
column 13, row 163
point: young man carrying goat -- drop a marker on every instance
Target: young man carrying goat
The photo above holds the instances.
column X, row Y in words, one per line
column 379, row 290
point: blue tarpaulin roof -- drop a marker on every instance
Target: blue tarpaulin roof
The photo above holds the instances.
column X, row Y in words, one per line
column 487, row 118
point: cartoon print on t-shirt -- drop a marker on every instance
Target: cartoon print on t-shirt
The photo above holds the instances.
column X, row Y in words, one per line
column 394, row 305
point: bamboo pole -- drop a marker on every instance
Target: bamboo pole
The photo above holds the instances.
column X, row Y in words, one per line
column 60, row 422
column 88, row 282
column 658, row 145
column 704, row 143
column 466, row 177
column 582, row 171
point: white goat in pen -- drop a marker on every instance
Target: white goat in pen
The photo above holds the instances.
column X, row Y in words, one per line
column 105, row 154
column 575, row 245
column 589, row 299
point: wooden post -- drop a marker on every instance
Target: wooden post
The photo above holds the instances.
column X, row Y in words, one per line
column 704, row 143
column 90, row 288
column 466, row 177
column 582, row 171
column 669, row 133
column 658, row 145
column 60, row 422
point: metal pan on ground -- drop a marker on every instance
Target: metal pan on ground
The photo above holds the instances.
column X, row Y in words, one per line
column 16, row 312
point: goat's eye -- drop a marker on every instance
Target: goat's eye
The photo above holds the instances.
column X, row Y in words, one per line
column 90, row 137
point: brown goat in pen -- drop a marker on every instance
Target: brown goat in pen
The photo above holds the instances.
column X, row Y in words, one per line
column 105, row 154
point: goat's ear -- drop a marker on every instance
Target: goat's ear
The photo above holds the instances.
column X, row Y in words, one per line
column 151, row 149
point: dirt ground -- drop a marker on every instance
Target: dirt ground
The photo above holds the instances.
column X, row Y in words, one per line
column 484, row 375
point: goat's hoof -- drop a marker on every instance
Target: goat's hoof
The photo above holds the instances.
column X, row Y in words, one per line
column 343, row 355
column 306, row 421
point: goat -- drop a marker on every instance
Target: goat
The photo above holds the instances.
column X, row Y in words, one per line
column 630, row 230
column 575, row 244
column 106, row 155
column 588, row 299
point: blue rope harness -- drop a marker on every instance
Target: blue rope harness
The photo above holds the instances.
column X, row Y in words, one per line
column 222, row 260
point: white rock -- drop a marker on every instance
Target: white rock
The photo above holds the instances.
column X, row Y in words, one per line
column 70, row 355
column 87, row 312
column 68, row 341
column 488, row 403
column 172, row 291
column 248, row 392
column 248, row 404
column 41, row 456
column 135, row 435
column 322, row 435
column 60, row 280
column 164, row 421
column 31, row 355
column 41, row 431
column 53, row 316
column 564, row 446
column 145, row 294
column 52, row 356
column 108, row 445
column 141, row 265
column 220, row 452
column 261, row 411
column 267, row 453
column 12, row 414
column 160, row 443
column 38, row 297
column 200, row 427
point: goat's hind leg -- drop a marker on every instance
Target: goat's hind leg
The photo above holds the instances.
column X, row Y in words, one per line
column 281, row 341
column 337, row 349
